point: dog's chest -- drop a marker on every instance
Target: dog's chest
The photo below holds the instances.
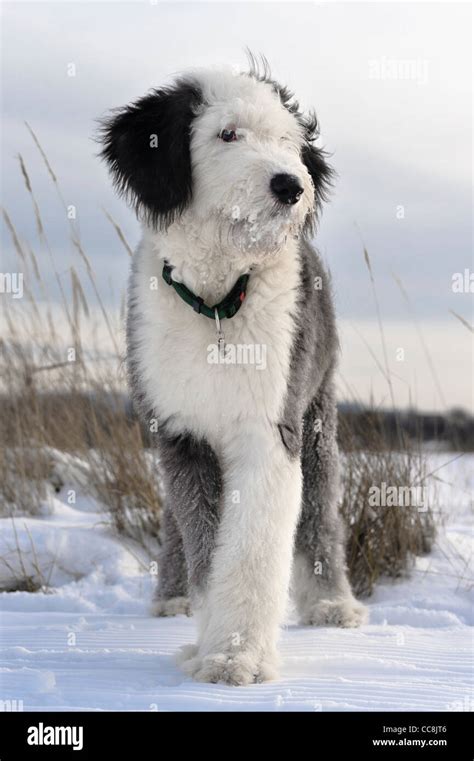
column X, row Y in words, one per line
column 186, row 379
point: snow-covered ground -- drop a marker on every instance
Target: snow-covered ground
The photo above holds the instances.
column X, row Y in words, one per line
column 90, row 644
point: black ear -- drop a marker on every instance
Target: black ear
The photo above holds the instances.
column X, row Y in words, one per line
column 315, row 160
column 146, row 147
column 321, row 173
column 313, row 157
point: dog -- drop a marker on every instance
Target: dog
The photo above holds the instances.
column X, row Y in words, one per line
column 224, row 172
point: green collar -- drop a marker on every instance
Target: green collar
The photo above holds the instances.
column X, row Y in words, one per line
column 229, row 305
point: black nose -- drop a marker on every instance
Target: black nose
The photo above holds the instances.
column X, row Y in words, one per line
column 286, row 187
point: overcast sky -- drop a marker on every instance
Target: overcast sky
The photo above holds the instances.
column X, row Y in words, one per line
column 391, row 84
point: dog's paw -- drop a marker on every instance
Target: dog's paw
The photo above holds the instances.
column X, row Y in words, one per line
column 233, row 669
column 186, row 653
column 341, row 611
column 174, row 606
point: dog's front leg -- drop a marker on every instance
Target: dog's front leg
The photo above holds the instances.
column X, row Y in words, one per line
column 247, row 589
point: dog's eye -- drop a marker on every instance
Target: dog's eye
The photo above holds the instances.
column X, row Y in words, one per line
column 228, row 135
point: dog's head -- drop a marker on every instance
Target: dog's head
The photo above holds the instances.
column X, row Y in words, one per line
column 233, row 149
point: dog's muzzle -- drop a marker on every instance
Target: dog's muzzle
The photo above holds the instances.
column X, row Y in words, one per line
column 286, row 188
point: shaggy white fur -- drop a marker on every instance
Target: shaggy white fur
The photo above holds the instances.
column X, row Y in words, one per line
column 232, row 227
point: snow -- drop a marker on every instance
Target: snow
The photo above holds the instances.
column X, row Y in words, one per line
column 89, row 643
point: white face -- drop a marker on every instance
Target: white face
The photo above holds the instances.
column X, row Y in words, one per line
column 248, row 176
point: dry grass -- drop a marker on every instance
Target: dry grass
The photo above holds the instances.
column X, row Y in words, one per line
column 126, row 479
column 383, row 540
column 59, row 392
column 25, row 572
column 23, row 473
column 57, row 395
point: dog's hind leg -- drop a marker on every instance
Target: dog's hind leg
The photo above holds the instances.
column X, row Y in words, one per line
column 172, row 590
column 320, row 585
column 192, row 477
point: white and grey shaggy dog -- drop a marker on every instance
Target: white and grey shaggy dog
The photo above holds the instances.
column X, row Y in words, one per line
column 223, row 170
